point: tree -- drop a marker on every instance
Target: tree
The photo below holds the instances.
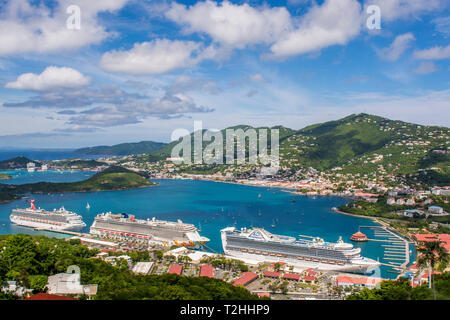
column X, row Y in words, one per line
column 431, row 254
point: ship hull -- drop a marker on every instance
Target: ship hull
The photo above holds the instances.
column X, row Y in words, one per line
column 351, row 268
column 47, row 226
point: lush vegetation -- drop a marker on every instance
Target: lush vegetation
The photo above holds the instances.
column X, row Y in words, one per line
column 113, row 178
column 8, row 196
column 31, row 259
column 402, row 290
column 80, row 163
column 15, row 163
column 123, row 148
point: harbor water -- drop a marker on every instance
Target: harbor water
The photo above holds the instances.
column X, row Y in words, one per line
column 208, row 205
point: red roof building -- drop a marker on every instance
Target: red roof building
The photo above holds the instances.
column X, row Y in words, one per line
column 176, row 269
column 363, row 281
column 245, row 279
column 444, row 238
column 263, row 294
column 207, row 270
column 358, row 236
column 291, row 276
column 272, row 274
column 311, row 272
column 309, row 278
column 47, row 296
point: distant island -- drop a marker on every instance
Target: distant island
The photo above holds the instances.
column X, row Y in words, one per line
column 4, row 176
column 123, row 149
column 111, row 179
column 15, row 163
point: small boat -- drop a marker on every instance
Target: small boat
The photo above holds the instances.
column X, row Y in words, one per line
column 259, row 214
column 88, row 206
column 259, row 195
column 273, row 224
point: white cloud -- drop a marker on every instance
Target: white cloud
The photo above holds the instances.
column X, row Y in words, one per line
column 332, row 23
column 435, row 53
column 257, row 77
column 153, row 57
column 28, row 28
column 398, row 46
column 234, row 26
column 426, row 67
column 51, row 78
column 402, row 9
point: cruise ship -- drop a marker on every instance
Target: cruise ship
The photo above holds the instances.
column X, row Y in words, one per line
column 257, row 244
column 127, row 227
column 58, row 220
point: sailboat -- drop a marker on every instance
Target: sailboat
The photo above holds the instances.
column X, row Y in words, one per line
column 259, row 195
column 88, row 206
column 273, row 224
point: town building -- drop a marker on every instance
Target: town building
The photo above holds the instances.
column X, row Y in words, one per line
column 69, row 283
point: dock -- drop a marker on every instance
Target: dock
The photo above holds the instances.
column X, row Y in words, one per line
column 396, row 247
column 73, row 233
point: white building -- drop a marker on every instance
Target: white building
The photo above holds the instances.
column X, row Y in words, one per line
column 142, row 267
column 69, row 283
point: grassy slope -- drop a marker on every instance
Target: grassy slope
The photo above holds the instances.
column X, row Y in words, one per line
column 123, row 148
column 114, row 178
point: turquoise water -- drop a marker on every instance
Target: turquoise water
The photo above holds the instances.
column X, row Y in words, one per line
column 213, row 206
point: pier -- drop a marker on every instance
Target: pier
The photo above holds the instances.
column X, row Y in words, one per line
column 73, row 233
column 396, row 249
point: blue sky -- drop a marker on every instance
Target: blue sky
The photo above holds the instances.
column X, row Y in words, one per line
column 138, row 70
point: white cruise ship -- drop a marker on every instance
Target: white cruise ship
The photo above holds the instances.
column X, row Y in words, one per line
column 257, row 244
column 58, row 220
column 125, row 227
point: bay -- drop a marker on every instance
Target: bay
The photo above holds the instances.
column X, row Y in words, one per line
column 210, row 206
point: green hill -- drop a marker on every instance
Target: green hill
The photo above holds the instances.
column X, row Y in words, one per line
column 113, row 178
column 15, row 163
column 123, row 149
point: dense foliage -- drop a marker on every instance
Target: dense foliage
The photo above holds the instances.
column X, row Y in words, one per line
column 123, row 148
column 31, row 259
column 14, row 163
column 113, row 178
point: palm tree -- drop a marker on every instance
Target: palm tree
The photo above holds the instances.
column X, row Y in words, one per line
column 432, row 254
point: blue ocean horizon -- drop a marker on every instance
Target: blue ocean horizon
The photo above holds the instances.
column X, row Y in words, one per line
column 43, row 154
column 210, row 206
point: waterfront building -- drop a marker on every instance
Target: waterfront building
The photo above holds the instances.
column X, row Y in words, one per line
column 359, row 236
